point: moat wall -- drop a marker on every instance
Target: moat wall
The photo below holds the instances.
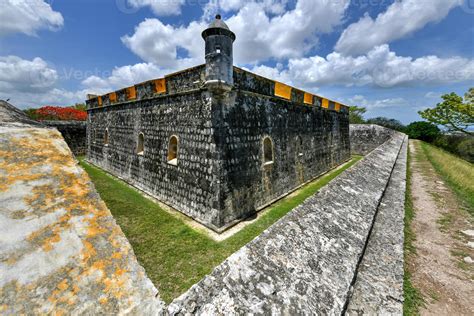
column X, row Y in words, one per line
column 74, row 133
column 221, row 176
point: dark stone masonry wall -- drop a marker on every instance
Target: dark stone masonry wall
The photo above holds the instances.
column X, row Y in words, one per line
column 220, row 177
column 308, row 141
column 74, row 133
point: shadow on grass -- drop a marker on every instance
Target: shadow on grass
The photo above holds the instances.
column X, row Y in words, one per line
column 174, row 255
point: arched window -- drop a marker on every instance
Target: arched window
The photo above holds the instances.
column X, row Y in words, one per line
column 141, row 144
column 106, row 137
column 299, row 147
column 267, row 151
column 173, row 151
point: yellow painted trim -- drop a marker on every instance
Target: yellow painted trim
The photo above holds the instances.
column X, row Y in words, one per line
column 112, row 97
column 308, row 98
column 160, row 85
column 325, row 103
column 282, row 90
column 99, row 100
column 337, row 107
column 131, row 93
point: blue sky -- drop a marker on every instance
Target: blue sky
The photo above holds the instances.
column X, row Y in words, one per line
column 393, row 57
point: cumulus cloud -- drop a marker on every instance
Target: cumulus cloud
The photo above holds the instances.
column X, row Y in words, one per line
column 122, row 77
column 361, row 100
column 399, row 20
column 156, row 42
column 261, row 35
column 159, row 7
column 17, row 74
column 27, row 16
column 31, row 83
column 379, row 67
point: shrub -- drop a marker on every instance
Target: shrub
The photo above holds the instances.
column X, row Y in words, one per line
column 56, row 113
column 423, row 131
column 387, row 122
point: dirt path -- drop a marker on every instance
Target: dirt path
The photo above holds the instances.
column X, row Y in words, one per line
column 438, row 269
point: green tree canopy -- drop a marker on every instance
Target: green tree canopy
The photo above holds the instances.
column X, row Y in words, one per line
column 355, row 114
column 454, row 113
column 423, row 130
column 387, row 122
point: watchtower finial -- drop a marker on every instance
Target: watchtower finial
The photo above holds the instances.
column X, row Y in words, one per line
column 218, row 16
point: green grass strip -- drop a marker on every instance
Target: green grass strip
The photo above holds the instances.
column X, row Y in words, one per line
column 174, row 255
column 456, row 172
column 413, row 299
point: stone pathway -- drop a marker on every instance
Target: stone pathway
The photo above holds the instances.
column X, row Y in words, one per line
column 438, row 269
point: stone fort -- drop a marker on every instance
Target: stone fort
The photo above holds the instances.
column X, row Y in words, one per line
column 216, row 142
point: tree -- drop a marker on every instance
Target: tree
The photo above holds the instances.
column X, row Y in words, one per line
column 423, row 130
column 453, row 113
column 355, row 114
column 387, row 122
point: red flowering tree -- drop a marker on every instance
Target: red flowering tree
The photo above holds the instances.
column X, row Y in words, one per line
column 57, row 113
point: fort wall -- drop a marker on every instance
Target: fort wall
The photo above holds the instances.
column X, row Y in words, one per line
column 74, row 133
column 221, row 175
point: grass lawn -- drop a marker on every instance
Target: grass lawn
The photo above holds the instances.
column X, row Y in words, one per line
column 174, row 255
column 458, row 173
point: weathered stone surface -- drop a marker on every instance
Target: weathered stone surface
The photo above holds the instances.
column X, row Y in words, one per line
column 378, row 289
column 306, row 262
column 367, row 137
column 73, row 132
column 60, row 248
column 11, row 116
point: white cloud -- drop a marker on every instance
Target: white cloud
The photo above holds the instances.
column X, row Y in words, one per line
column 261, row 35
column 156, row 42
column 17, row 74
column 27, row 16
column 399, row 20
column 360, row 100
column 122, row 77
column 159, row 7
column 32, row 83
column 379, row 67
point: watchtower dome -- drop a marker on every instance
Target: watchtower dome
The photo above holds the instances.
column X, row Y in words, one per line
column 219, row 61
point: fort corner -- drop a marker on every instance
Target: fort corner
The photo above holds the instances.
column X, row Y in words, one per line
column 216, row 142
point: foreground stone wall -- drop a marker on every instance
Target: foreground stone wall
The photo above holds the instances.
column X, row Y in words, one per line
column 367, row 137
column 74, row 133
column 61, row 251
column 220, row 176
column 308, row 261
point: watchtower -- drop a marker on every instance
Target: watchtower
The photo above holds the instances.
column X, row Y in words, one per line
column 219, row 61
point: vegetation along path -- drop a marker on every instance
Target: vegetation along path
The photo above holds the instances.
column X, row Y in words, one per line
column 441, row 233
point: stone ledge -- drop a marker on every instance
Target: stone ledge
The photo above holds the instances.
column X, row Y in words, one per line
column 379, row 285
column 307, row 261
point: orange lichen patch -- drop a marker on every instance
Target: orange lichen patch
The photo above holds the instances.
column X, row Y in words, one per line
column 63, row 286
column 325, row 103
column 337, row 107
column 160, row 85
column 99, row 100
column 131, row 93
column 48, row 243
column 89, row 251
column 308, row 98
column 99, row 265
column 282, row 90
column 119, row 271
column 103, row 300
column 117, row 255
